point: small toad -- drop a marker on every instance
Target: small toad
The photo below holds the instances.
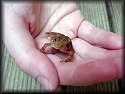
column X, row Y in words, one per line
column 60, row 42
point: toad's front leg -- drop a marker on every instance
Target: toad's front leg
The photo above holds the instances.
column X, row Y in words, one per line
column 44, row 47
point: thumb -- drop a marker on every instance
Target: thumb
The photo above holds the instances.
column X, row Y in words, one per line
column 40, row 67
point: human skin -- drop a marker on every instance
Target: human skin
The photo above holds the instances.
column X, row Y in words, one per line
column 98, row 54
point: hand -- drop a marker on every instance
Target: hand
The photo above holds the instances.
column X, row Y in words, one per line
column 20, row 26
column 24, row 27
column 98, row 54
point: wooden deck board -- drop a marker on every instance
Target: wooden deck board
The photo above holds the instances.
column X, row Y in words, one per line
column 116, row 8
column 95, row 12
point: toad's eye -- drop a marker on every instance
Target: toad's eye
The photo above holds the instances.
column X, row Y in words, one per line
column 53, row 40
column 67, row 45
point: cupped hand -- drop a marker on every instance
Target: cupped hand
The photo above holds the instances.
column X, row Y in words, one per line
column 98, row 54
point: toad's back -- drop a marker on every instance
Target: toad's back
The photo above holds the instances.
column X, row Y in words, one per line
column 60, row 41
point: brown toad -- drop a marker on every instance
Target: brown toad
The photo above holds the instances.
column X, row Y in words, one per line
column 62, row 43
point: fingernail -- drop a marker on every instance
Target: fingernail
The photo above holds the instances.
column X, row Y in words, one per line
column 45, row 83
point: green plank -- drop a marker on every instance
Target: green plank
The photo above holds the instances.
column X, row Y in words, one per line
column 95, row 12
column 116, row 8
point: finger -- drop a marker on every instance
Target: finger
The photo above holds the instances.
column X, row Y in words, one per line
column 40, row 67
column 21, row 46
column 90, row 53
column 87, row 51
column 97, row 36
column 64, row 19
column 78, row 74
column 69, row 24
